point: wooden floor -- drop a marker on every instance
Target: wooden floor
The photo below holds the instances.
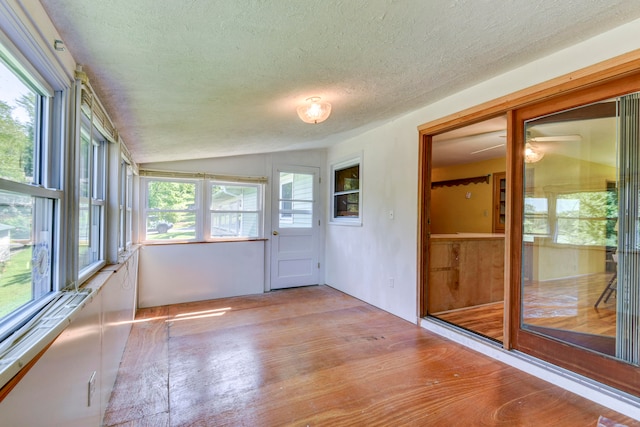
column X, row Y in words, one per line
column 566, row 304
column 317, row 357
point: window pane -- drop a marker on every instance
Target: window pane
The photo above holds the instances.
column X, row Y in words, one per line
column 575, row 231
column 234, row 198
column 347, row 205
column 171, row 225
column 168, row 195
column 84, row 252
column 235, row 210
column 85, row 166
column 99, row 166
column 171, row 210
column 25, row 250
column 347, row 179
column 536, row 215
column 234, row 224
column 296, row 200
column 300, row 215
column 296, row 186
column 17, row 127
column 570, row 210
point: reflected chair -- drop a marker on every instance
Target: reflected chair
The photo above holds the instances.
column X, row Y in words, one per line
column 612, row 286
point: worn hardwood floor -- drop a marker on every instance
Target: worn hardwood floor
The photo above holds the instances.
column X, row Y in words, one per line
column 317, row 357
column 566, row 304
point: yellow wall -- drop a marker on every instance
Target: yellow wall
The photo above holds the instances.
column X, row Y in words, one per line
column 452, row 211
column 564, row 174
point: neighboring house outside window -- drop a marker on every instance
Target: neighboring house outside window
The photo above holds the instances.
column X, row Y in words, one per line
column 202, row 209
column 235, row 210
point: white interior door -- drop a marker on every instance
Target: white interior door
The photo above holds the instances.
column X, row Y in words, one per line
column 295, row 227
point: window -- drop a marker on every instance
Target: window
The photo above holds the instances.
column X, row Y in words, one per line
column 125, row 204
column 346, row 200
column 92, row 187
column 587, row 218
column 171, row 211
column 235, row 210
column 27, row 212
column 176, row 211
column 536, row 216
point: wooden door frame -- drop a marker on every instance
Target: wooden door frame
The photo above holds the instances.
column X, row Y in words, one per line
column 603, row 368
column 582, row 85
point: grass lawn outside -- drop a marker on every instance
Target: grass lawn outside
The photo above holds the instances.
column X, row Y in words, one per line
column 15, row 281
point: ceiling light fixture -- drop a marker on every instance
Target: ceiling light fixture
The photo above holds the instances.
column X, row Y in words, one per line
column 532, row 154
column 314, row 111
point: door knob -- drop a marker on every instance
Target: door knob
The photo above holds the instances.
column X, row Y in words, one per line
column 275, row 233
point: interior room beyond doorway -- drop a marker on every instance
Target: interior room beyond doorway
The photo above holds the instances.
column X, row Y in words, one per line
column 468, row 211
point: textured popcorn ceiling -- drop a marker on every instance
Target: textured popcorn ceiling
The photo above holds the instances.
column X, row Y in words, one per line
column 196, row 79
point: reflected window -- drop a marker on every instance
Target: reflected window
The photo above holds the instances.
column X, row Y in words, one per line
column 346, row 198
column 536, row 216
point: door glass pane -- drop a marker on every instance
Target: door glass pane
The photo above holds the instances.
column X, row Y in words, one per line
column 296, row 200
column 570, row 227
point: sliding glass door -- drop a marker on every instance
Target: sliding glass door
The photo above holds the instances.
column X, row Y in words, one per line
column 579, row 296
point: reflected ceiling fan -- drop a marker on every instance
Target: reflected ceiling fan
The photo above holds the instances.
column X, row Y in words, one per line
column 555, row 138
column 532, row 153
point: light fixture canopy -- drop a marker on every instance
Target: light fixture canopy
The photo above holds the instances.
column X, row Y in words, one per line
column 314, row 111
column 532, row 154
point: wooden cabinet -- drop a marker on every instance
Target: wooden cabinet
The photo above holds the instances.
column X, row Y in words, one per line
column 499, row 201
column 465, row 271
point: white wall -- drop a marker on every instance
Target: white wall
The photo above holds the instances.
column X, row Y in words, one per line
column 198, row 271
column 55, row 391
column 360, row 260
column 171, row 274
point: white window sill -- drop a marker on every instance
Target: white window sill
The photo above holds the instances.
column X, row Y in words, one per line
column 347, row 223
column 25, row 344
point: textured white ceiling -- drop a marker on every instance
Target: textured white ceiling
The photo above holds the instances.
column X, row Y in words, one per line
column 196, row 79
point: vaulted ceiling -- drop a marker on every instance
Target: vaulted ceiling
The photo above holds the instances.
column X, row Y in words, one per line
column 197, row 79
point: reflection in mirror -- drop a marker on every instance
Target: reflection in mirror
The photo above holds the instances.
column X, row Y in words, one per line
column 467, row 212
column 573, row 259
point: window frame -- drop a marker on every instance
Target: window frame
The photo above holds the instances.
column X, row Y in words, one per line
column 44, row 187
column 207, row 205
column 97, row 185
column 145, row 211
column 125, row 204
column 335, row 168
column 201, row 206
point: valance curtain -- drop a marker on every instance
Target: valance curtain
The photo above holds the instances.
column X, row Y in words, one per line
column 199, row 175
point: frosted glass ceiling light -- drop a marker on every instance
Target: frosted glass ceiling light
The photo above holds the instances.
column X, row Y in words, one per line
column 532, row 154
column 314, row 111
